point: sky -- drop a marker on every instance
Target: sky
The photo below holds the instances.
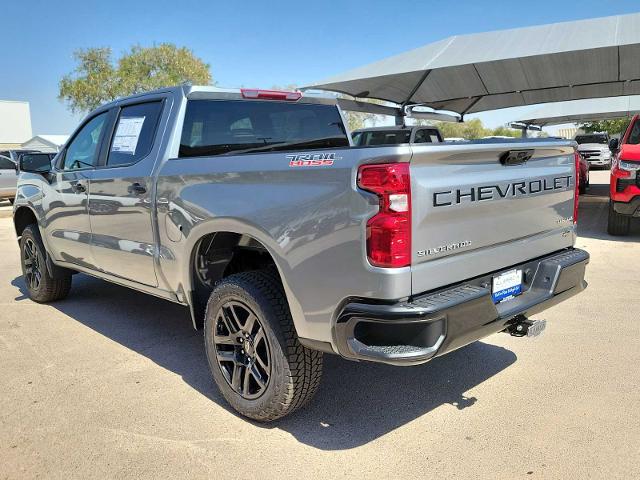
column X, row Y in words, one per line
column 249, row 43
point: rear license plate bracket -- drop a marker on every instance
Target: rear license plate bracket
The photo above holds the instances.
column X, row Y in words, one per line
column 506, row 285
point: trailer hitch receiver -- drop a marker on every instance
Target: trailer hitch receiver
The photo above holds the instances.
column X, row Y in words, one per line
column 523, row 327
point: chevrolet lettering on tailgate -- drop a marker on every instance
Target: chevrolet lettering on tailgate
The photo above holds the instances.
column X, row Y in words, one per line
column 491, row 192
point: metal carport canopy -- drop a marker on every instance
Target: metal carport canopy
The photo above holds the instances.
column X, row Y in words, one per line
column 577, row 111
column 524, row 66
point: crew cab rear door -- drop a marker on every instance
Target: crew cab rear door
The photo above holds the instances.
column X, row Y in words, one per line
column 121, row 193
column 478, row 208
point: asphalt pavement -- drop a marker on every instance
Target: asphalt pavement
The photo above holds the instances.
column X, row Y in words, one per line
column 111, row 383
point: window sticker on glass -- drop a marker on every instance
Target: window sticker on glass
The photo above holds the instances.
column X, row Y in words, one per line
column 127, row 135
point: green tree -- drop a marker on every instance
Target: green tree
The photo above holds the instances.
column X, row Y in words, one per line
column 357, row 120
column 97, row 79
column 471, row 130
column 506, row 132
column 612, row 127
column 474, row 129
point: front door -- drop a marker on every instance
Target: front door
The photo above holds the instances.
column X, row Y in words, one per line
column 66, row 222
column 120, row 196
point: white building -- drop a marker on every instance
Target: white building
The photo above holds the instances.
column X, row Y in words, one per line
column 45, row 143
column 15, row 123
column 568, row 132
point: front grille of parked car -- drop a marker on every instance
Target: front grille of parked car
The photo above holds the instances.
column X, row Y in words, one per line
column 590, row 153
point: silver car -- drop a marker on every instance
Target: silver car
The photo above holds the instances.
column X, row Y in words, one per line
column 8, row 178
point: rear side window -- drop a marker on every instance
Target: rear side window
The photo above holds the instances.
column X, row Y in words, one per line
column 218, row 127
column 6, row 164
column 427, row 135
column 134, row 132
column 384, row 137
column 634, row 136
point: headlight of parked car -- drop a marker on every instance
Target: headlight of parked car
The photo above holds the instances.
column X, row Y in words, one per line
column 629, row 166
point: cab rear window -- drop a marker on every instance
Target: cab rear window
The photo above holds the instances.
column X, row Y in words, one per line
column 382, row 137
column 219, row 127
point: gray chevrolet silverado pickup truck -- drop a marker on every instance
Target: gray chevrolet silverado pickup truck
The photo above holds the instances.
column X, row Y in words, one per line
column 254, row 209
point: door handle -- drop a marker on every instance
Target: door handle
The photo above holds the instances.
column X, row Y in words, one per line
column 137, row 189
column 78, row 188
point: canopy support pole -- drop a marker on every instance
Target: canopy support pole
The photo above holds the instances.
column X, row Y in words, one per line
column 401, row 114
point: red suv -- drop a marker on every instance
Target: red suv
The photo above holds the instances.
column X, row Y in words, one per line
column 624, row 190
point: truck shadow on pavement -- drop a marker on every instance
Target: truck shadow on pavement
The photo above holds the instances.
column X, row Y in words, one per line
column 357, row 402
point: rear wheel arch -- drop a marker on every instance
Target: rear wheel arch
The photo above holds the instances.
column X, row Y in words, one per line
column 227, row 252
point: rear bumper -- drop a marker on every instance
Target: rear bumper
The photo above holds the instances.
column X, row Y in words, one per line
column 631, row 208
column 434, row 323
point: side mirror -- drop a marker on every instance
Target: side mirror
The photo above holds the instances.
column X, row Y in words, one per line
column 614, row 144
column 35, row 163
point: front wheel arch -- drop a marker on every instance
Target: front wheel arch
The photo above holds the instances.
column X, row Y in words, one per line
column 22, row 218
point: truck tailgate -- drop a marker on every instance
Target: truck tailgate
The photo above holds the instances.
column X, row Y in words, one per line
column 475, row 211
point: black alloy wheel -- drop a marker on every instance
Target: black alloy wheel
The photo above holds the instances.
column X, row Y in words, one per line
column 253, row 351
column 242, row 349
column 32, row 265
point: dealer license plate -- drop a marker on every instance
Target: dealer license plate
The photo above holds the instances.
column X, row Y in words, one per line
column 507, row 285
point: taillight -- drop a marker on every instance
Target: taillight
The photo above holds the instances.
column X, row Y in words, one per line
column 389, row 230
column 576, row 194
column 270, row 94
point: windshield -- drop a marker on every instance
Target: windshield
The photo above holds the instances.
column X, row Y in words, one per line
column 218, row 127
column 634, row 136
column 382, row 137
column 592, row 139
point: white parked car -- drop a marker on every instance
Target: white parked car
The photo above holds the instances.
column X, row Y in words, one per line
column 8, row 178
column 594, row 148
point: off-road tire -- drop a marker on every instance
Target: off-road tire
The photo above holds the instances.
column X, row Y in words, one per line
column 617, row 224
column 295, row 370
column 49, row 288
